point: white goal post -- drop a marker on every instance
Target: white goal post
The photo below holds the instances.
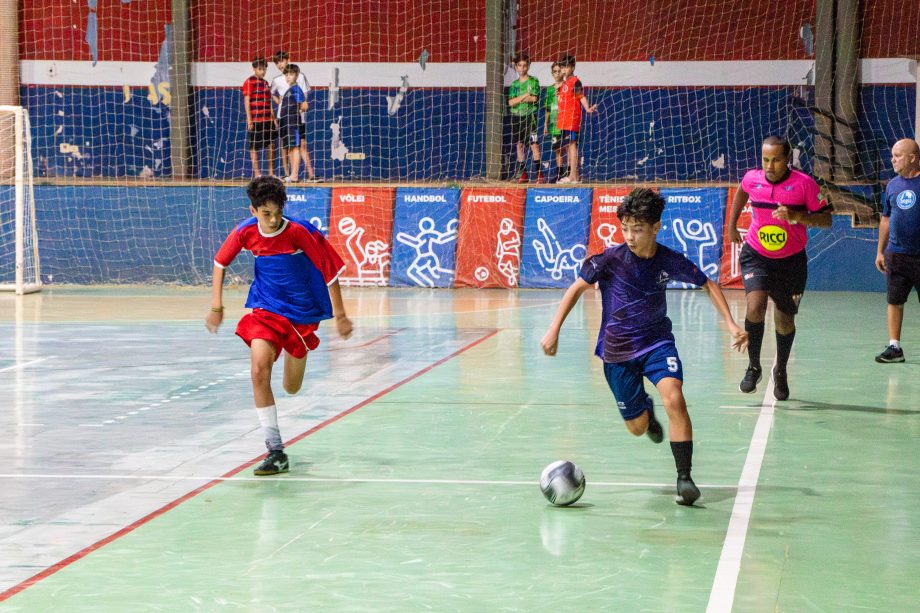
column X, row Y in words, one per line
column 19, row 264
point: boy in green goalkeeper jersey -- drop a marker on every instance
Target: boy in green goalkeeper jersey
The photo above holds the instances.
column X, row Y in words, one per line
column 523, row 96
column 551, row 104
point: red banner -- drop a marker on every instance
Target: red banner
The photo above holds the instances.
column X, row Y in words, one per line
column 491, row 231
column 361, row 229
column 605, row 225
column 730, row 275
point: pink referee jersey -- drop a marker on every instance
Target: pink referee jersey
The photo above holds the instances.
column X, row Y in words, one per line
column 777, row 238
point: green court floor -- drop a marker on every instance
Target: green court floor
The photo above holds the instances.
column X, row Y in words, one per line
column 127, row 481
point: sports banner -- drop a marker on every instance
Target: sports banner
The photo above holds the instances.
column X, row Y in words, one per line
column 489, row 245
column 424, row 237
column 692, row 224
column 556, row 224
column 360, row 229
column 606, row 230
column 309, row 204
column 731, row 271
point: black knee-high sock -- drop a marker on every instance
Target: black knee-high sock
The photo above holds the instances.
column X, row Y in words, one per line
column 783, row 349
column 683, row 455
column 755, row 341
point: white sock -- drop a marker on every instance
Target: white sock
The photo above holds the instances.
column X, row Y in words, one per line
column 268, row 418
column 895, row 344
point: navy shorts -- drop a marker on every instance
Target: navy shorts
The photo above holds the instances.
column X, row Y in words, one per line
column 625, row 378
column 903, row 274
column 569, row 136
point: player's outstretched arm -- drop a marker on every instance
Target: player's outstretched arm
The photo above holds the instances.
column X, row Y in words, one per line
column 739, row 336
column 550, row 340
column 216, row 315
column 342, row 324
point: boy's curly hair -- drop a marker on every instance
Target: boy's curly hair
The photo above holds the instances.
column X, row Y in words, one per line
column 643, row 205
column 264, row 190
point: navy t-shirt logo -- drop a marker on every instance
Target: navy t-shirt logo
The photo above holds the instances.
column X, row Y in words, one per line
column 906, row 199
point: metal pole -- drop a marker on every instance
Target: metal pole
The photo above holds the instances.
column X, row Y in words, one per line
column 180, row 56
column 495, row 86
column 846, row 90
column 823, row 166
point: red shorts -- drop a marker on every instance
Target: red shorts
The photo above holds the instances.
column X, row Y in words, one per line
column 278, row 330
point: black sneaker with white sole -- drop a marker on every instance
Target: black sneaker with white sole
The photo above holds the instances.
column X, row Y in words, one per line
column 687, row 491
column 275, row 462
column 752, row 377
column 891, row 355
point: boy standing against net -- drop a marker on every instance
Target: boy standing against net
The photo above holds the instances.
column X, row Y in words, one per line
column 260, row 122
column 294, row 288
column 279, row 88
column 293, row 105
column 551, row 116
column 635, row 338
column 523, row 96
column 571, row 102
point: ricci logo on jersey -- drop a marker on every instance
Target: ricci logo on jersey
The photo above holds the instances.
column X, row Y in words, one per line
column 906, row 199
column 772, row 238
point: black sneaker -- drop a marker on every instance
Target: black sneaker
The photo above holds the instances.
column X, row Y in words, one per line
column 687, row 491
column 752, row 377
column 654, row 432
column 275, row 462
column 780, row 385
column 890, row 355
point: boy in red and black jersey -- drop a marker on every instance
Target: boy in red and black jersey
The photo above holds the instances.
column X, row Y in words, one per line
column 571, row 101
column 261, row 125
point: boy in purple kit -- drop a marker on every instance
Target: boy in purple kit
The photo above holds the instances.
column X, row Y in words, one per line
column 635, row 338
column 773, row 259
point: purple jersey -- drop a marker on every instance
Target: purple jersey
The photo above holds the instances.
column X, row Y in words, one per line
column 634, row 318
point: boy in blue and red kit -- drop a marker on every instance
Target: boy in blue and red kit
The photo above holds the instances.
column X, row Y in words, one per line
column 291, row 113
column 261, row 127
column 635, row 338
column 295, row 287
column 571, row 101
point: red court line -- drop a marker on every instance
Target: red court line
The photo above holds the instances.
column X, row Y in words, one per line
column 171, row 505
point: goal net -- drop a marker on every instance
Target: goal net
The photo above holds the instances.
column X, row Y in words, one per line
column 19, row 269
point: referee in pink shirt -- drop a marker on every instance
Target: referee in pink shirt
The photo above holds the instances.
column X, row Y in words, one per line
column 773, row 260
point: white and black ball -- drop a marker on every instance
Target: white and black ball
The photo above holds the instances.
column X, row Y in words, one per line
column 562, row 483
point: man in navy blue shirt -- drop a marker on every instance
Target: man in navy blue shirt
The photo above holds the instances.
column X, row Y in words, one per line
column 635, row 338
column 899, row 241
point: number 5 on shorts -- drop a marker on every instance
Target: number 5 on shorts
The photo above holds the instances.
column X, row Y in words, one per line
column 673, row 364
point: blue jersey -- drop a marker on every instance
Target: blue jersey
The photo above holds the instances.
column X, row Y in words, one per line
column 634, row 316
column 289, row 114
column 294, row 267
column 901, row 206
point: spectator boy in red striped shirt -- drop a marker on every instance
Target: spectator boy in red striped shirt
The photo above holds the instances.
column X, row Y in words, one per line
column 261, row 125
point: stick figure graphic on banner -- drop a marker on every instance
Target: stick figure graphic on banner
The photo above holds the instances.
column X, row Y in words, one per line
column 607, row 232
column 553, row 258
column 427, row 265
column 698, row 235
column 508, row 251
column 374, row 254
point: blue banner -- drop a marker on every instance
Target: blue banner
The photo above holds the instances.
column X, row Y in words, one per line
column 310, row 204
column 692, row 225
column 425, row 237
column 556, row 224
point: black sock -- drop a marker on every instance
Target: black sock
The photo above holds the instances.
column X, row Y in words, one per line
column 755, row 341
column 683, row 455
column 563, row 171
column 783, row 349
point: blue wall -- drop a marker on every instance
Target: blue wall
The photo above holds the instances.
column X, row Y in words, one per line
column 170, row 235
column 639, row 133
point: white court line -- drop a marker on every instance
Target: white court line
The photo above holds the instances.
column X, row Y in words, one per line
column 25, row 364
column 340, row 480
column 722, row 595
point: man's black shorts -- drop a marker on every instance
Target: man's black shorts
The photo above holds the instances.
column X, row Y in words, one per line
column 782, row 278
column 903, row 274
column 262, row 134
column 524, row 129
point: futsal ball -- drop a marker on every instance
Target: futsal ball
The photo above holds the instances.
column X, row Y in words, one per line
column 562, row 483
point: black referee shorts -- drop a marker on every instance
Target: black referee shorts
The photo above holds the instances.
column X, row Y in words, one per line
column 782, row 278
column 262, row 134
column 903, row 275
column 524, row 129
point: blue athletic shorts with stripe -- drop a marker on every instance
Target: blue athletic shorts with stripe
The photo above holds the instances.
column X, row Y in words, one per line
column 625, row 378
